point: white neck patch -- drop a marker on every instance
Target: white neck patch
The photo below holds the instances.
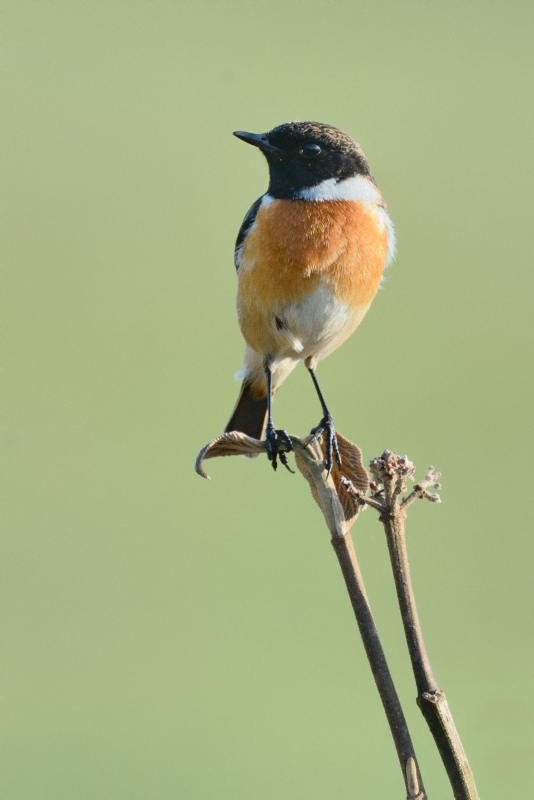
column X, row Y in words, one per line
column 356, row 188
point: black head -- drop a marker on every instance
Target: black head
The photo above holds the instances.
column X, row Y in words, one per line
column 304, row 154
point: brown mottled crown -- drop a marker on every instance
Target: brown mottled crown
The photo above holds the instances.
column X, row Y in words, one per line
column 318, row 132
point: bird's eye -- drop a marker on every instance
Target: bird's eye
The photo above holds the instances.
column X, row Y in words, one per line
column 310, row 150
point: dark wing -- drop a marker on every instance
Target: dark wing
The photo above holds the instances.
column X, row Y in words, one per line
column 246, row 225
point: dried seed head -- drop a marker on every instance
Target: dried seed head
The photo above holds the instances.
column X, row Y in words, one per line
column 390, row 465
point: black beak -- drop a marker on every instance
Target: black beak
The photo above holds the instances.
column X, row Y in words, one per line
column 259, row 140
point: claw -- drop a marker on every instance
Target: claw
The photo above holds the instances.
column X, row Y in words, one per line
column 327, row 426
column 274, row 438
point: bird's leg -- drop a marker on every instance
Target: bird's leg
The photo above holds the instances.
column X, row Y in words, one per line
column 325, row 425
column 274, row 438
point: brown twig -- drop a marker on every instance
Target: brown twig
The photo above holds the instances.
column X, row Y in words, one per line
column 390, row 472
column 340, row 502
column 344, row 549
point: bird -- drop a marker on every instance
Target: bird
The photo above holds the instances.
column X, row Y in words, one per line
column 310, row 256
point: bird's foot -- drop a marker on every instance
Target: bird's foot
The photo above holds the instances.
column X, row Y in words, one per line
column 326, row 425
column 274, row 439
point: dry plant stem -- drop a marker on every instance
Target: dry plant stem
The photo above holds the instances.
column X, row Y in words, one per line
column 431, row 700
column 344, row 549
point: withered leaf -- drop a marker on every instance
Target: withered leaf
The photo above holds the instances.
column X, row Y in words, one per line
column 229, row 444
column 351, row 469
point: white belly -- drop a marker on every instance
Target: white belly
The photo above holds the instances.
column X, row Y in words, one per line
column 314, row 325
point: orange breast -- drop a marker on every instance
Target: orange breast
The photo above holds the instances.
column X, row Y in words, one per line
column 296, row 246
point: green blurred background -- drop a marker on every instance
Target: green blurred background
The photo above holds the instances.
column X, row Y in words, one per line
column 166, row 637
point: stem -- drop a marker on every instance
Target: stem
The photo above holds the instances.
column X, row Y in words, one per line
column 344, row 549
column 391, row 471
column 431, row 700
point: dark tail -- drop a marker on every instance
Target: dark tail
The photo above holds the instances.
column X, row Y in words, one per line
column 250, row 413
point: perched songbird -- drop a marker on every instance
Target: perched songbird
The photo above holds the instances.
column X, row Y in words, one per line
column 309, row 255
